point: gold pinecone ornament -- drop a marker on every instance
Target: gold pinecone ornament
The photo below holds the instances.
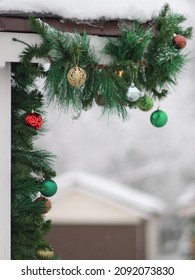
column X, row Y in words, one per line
column 76, row 76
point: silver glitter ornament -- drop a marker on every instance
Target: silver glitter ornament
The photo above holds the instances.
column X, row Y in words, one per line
column 133, row 93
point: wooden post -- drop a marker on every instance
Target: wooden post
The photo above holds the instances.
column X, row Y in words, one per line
column 5, row 162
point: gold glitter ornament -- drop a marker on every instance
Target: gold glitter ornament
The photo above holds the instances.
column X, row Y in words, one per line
column 76, row 76
column 44, row 253
column 120, row 73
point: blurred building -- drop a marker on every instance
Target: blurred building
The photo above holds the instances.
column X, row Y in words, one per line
column 96, row 218
column 186, row 209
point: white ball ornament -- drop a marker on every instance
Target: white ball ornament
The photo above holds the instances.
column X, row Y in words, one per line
column 133, row 93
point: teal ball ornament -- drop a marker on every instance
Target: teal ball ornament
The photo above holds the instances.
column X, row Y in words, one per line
column 49, row 188
column 158, row 118
column 145, row 103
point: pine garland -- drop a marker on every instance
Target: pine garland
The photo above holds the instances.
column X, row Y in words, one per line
column 147, row 58
column 29, row 166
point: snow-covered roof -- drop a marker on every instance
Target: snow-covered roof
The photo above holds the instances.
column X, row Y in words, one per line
column 186, row 201
column 109, row 189
column 91, row 10
column 188, row 197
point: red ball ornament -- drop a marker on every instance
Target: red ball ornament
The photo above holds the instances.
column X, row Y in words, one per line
column 34, row 120
column 47, row 203
column 179, row 41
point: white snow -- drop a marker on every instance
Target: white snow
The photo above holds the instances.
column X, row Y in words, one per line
column 89, row 9
column 188, row 197
column 112, row 190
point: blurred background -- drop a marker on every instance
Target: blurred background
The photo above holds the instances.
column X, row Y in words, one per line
column 127, row 182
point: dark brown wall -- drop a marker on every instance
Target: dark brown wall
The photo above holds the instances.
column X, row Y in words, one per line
column 20, row 23
column 95, row 242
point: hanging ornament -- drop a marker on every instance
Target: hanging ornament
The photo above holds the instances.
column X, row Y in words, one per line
column 44, row 252
column 34, row 120
column 120, row 73
column 158, row 118
column 99, row 99
column 47, row 203
column 133, row 93
column 49, row 188
column 145, row 103
column 76, row 76
column 179, row 41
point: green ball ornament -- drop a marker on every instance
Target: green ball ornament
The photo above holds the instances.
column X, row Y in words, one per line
column 158, row 118
column 49, row 188
column 146, row 103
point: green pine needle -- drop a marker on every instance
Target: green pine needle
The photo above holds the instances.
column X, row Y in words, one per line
column 147, row 57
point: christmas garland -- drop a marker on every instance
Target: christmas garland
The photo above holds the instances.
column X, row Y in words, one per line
column 143, row 64
column 31, row 172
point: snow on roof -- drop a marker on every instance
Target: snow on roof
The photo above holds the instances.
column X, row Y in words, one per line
column 186, row 202
column 106, row 188
column 92, row 10
column 188, row 197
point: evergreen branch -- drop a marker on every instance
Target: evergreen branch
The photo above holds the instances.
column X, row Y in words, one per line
column 39, row 27
column 28, row 164
column 187, row 33
column 17, row 40
column 147, row 58
column 35, row 161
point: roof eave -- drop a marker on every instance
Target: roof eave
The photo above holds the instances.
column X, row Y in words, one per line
column 107, row 28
